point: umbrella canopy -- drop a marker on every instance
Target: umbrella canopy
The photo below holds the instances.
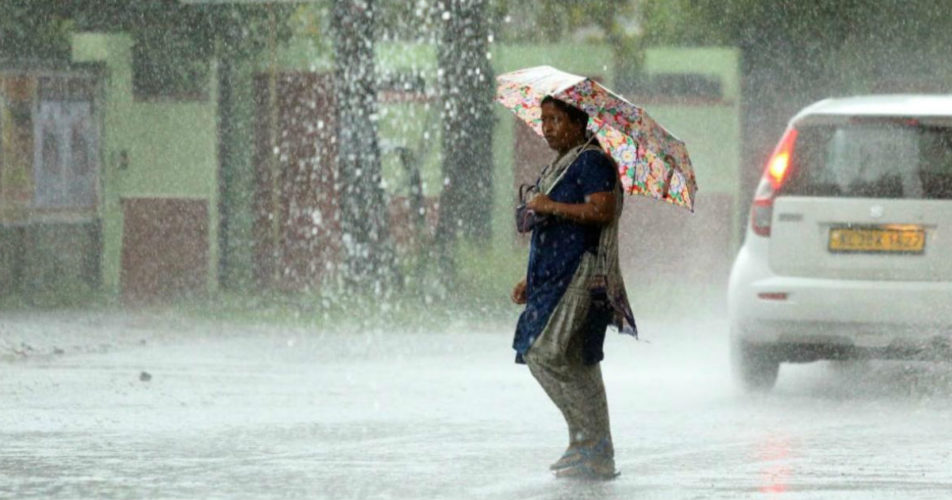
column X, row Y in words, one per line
column 651, row 161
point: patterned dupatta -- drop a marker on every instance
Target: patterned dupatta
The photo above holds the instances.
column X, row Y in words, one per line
column 608, row 271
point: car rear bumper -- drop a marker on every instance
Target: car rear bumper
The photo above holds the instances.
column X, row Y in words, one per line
column 766, row 308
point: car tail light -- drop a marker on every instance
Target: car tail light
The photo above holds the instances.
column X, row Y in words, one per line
column 775, row 174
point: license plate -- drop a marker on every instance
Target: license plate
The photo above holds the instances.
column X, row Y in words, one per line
column 904, row 239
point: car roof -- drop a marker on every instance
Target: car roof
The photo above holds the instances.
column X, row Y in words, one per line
column 918, row 105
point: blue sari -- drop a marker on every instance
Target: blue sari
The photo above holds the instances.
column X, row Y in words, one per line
column 556, row 249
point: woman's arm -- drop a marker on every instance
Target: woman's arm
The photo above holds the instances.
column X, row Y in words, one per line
column 598, row 209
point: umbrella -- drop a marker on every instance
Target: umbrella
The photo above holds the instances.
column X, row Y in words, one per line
column 651, row 161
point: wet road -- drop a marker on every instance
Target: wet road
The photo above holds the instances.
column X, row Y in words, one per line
column 394, row 415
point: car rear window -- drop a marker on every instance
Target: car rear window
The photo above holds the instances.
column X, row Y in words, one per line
column 872, row 160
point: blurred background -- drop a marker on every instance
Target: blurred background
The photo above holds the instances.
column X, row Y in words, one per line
column 295, row 159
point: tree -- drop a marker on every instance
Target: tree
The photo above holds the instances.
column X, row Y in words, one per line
column 34, row 31
column 795, row 52
column 467, row 87
column 39, row 31
column 368, row 254
column 613, row 21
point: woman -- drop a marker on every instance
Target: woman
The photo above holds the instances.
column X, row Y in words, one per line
column 573, row 287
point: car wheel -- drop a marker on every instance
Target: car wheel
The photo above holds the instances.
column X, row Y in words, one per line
column 755, row 367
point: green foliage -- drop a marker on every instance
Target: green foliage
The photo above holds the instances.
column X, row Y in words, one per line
column 409, row 21
column 869, row 37
column 555, row 20
column 34, row 31
column 173, row 40
column 78, row 296
column 614, row 22
column 479, row 295
column 487, row 274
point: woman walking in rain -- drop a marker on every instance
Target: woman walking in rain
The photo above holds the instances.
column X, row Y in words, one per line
column 573, row 288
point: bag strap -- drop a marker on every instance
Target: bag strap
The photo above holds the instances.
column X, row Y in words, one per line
column 523, row 189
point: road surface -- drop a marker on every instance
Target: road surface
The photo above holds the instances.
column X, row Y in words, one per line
column 270, row 412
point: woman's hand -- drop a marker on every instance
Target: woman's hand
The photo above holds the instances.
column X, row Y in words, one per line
column 519, row 292
column 540, row 204
column 598, row 209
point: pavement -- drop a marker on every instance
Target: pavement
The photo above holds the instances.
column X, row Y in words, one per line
column 271, row 411
column 38, row 334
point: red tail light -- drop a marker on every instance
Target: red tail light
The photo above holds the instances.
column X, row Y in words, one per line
column 761, row 212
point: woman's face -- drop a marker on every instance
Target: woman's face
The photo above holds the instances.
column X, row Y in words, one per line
column 560, row 132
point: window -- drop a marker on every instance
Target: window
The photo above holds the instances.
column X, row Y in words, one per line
column 165, row 68
column 873, row 160
column 677, row 87
column 65, row 165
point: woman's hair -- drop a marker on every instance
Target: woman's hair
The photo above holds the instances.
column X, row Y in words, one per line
column 575, row 115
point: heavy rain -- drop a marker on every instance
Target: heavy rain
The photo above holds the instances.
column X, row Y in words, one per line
column 271, row 249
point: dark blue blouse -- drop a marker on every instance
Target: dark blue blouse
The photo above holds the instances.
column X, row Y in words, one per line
column 557, row 246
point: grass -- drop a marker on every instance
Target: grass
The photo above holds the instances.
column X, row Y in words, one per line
column 74, row 297
column 478, row 295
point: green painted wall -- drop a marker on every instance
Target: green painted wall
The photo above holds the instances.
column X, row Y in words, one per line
column 711, row 130
column 720, row 62
column 172, row 149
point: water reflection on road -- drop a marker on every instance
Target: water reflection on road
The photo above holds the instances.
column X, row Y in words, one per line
column 294, row 414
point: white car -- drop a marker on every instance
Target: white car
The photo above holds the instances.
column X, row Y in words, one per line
column 848, row 251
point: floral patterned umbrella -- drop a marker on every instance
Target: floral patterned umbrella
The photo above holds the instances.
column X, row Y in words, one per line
column 651, row 161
